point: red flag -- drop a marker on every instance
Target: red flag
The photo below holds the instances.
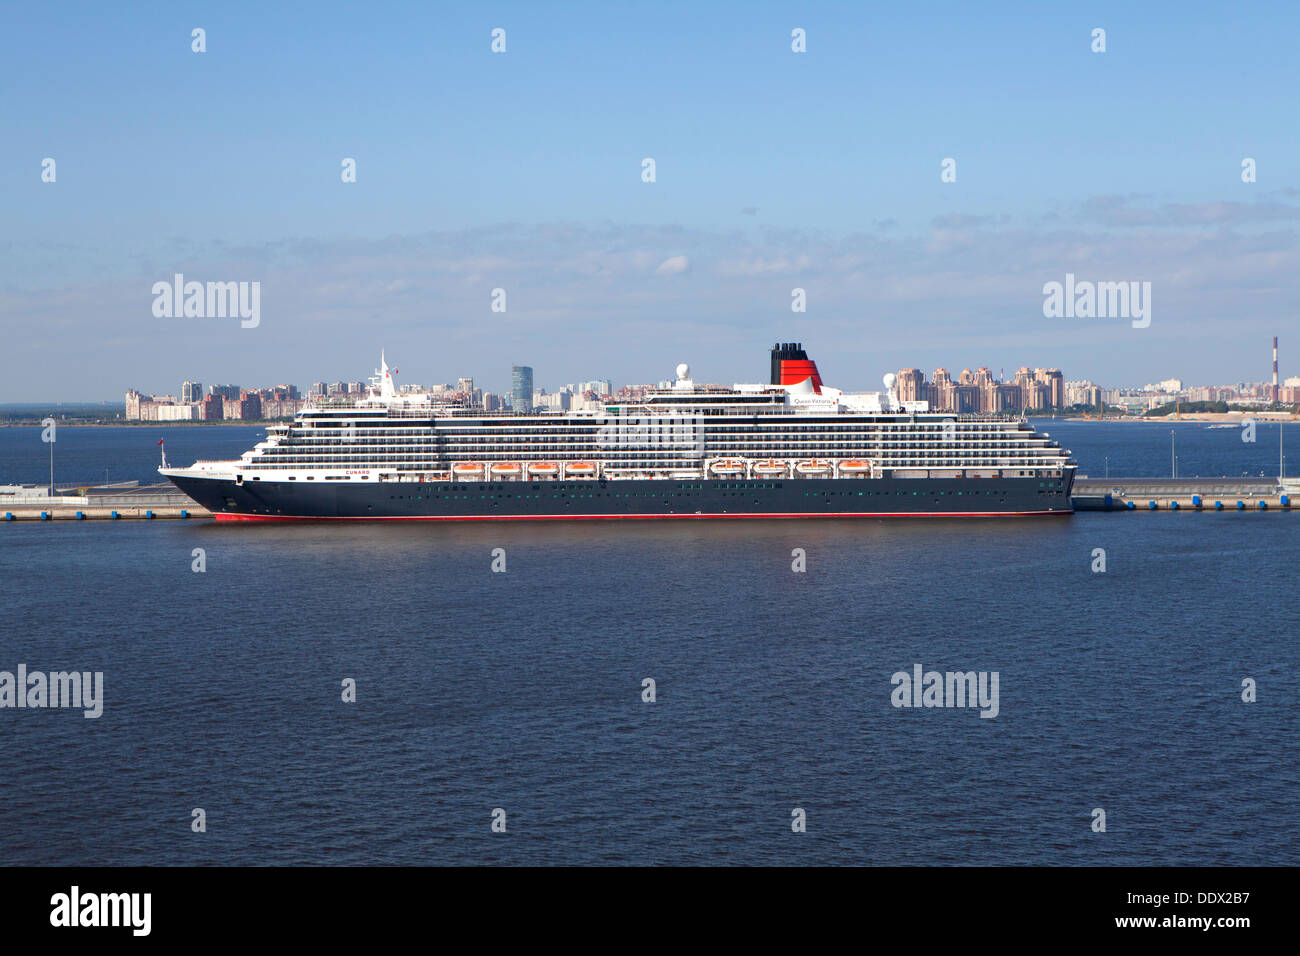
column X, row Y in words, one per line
column 160, row 441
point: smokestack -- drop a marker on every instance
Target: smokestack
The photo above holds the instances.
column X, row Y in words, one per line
column 1275, row 368
column 791, row 365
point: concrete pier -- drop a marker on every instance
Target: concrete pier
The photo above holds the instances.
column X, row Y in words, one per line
column 1090, row 494
column 145, row 502
column 1183, row 494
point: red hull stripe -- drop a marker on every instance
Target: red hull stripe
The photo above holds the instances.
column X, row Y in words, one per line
column 837, row 514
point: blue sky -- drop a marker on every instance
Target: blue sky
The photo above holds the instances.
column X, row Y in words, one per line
column 522, row 171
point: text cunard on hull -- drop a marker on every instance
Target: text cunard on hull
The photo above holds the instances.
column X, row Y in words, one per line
column 791, row 448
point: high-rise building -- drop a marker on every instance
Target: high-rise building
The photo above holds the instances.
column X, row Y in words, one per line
column 191, row 392
column 521, row 388
column 910, row 386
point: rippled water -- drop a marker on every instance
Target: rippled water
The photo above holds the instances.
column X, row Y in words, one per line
column 522, row 690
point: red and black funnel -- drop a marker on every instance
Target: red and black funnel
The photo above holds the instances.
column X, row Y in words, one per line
column 791, row 365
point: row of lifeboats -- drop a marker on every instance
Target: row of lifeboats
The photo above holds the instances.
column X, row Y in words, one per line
column 722, row 467
column 517, row 469
column 775, row 466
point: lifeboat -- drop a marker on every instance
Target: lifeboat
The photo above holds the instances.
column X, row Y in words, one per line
column 813, row 466
column 728, row 466
column 855, row 466
column 543, row 469
column 467, row 468
column 771, row 466
column 580, row 469
column 507, row 469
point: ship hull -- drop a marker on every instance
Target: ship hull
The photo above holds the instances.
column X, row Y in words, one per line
column 645, row 499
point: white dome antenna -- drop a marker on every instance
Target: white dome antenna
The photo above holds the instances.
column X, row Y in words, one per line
column 889, row 380
column 683, row 372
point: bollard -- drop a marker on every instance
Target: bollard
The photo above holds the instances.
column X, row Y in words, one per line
column 45, row 516
column 81, row 516
column 1241, row 505
column 1218, row 506
column 1173, row 505
column 149, row 513
column 1152, row 506
column 184, row 513
column 1263, row 505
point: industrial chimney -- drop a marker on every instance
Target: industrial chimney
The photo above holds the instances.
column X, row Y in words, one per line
column 1275, row 369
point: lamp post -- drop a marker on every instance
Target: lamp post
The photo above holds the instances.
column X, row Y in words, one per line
column 1173, row 462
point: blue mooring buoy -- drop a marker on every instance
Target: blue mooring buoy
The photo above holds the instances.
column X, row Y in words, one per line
column 1241, row 505
column 1218, row 506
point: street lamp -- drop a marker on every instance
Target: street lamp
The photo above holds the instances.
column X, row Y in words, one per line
column 1173, row 462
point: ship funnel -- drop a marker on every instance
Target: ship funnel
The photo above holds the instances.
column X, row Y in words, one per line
column 791, row 365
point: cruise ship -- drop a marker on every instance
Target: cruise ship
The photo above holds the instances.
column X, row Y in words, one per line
column 788, row 448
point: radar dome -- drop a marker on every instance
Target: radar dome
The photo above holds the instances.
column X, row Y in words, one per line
column 683, row 372
column 889, row 380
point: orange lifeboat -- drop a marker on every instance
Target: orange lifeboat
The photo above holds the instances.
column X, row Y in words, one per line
column 771, row 466
column 543, row 469
column 467, row 468
column 580, row 469
column 507, row 469
column 728, row 466
column 855, row 466
column 813, row 466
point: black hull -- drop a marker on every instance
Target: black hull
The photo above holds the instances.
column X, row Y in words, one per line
column 261, row 500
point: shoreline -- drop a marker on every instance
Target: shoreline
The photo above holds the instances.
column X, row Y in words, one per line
column 1220, row 418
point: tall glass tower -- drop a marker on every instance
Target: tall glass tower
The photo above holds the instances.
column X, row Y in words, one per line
column 521, row 382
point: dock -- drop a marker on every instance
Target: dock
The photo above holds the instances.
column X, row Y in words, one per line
column 104, row 504
column 1184, row 494
column 1090, row 494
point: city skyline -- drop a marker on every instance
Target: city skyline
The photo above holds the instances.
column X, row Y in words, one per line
column 979, row 390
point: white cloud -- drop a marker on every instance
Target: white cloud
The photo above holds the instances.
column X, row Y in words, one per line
column 673, row 266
